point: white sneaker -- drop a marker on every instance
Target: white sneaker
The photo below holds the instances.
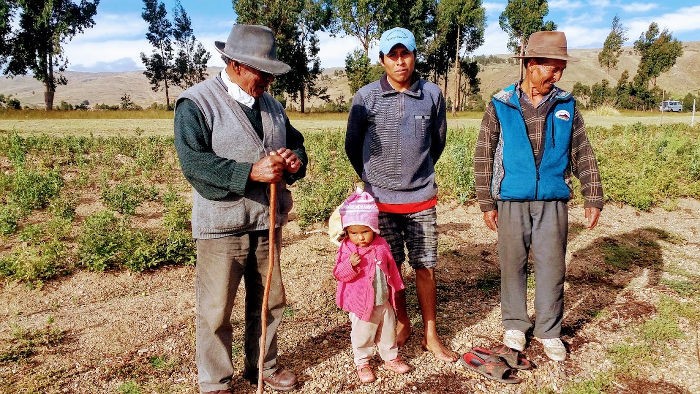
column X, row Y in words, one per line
column 514, row 339
column 554, row 348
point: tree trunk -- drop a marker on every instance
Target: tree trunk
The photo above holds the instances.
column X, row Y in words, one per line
column 48, row 98
column 167, row 95
column 301, row 100
column 459, row 89
column 49, row 83
column 455, row 95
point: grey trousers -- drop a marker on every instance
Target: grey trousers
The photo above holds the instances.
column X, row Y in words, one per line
column 221, row 264
column 540, row 227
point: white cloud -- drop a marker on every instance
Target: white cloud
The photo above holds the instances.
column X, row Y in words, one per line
column 87, row 54
column 638, row 7
column 565, row 5
column 495, row 41
column 113, row 26
column 333, row 50
column 585, row 19
column 684, row 20
column 113, row 44
column 494, row 8
column 599, row 4
column 125, row 64
column 582, row 37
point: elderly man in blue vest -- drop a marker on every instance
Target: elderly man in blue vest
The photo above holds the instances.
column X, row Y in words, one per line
column 532, row 139
column 233, row 140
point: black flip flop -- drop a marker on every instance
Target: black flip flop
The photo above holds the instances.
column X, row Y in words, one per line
column 491, row 367
column 513, row 358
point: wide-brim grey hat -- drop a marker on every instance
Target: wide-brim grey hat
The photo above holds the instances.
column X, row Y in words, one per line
column 548, row 45
column 254, row 46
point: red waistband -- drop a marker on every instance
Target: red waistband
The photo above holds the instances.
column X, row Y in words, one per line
column 411, row 207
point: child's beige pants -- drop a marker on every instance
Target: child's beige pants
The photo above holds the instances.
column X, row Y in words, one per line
column 380, row 330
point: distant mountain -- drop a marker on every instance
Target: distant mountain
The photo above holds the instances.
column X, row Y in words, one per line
column 109, row 87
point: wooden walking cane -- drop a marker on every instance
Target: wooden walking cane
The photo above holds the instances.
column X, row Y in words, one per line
column 266, row 295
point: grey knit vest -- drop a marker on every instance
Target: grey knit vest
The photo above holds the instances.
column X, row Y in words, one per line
column 234, row 138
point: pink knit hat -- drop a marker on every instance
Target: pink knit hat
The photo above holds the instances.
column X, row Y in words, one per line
column 359, row 208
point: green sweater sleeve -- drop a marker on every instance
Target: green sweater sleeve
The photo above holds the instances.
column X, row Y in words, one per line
column 214, row 177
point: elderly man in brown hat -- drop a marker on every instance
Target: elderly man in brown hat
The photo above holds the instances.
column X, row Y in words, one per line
column 233, row 140
column 532, row 139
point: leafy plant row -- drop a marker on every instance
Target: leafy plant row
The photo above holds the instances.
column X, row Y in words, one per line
column 113, row 203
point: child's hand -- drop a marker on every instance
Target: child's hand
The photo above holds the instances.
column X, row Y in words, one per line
column 355, row 259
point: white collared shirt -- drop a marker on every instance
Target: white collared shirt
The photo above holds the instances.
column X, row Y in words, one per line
column 236, row 92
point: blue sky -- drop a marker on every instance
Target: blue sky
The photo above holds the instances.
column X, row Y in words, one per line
column 118, row 37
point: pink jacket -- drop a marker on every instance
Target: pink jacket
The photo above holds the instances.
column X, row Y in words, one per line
column 355, row 292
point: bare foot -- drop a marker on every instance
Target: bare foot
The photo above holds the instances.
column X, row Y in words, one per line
column 440, row 351
column 403, row 332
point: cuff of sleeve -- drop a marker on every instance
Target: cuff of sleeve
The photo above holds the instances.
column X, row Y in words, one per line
column 486, row 207
column 239, row 178
column 591, row 204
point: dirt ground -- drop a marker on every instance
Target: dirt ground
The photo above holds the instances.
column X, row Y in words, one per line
column 122, row 331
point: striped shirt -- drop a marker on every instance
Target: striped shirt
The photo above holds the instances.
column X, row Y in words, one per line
column 582, row 163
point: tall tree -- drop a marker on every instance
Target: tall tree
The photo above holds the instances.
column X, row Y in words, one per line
column 359, row 70
column 295, row 24
column 361, row 19
column 35, row 43
column 191, row 60
column 161, row 64
column 462, row 24
column 6, row 9
column 367, row 19
column 520, row 19
column 659, row 51
column 612, row 47
column 582, row 93
column 622, row 91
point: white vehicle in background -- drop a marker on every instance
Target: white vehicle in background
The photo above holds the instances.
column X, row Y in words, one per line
column 671, row 106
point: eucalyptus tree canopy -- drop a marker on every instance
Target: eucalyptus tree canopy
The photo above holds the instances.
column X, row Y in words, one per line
column 32, row 35
column 295, row 24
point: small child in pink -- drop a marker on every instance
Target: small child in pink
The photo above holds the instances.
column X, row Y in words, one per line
column 368, row 279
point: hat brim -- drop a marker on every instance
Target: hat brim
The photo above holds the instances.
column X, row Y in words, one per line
column 545, row 56
column 274, row 67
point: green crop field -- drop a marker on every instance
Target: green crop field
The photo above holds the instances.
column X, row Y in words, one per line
column 65, row 181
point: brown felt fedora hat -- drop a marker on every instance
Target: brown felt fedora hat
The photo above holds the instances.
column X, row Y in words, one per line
column 254, row 46
column 548, row 45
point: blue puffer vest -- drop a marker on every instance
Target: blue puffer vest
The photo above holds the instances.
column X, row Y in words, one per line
column 517, row 175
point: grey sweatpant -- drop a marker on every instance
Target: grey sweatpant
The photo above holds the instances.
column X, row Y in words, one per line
column 540, row 227
column 221, row 264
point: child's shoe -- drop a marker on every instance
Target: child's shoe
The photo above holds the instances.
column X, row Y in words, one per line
column 396, row 365
column 365, row 373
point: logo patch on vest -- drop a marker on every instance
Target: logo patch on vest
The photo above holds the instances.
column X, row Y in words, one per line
column 563, row 115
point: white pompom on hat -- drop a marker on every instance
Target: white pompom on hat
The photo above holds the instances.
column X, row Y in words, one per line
column 360, row 209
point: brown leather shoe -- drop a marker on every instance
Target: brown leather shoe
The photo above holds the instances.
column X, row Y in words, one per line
column 281, row 380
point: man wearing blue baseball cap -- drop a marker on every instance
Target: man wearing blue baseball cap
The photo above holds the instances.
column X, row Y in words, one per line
column 396, row 132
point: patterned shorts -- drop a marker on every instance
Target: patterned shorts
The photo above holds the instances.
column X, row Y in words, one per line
column 417, row 232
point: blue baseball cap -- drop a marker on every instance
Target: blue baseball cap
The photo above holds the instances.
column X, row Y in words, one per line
column 397, row 35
